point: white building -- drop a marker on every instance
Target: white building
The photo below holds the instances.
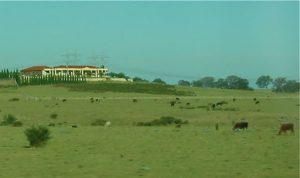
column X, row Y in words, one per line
column 87, row 71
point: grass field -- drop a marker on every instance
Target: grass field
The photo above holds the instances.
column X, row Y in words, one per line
column 125, row 150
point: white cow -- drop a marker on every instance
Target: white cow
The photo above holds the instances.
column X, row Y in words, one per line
column 107, row 124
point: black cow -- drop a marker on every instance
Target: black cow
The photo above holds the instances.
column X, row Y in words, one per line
column 213, row 106
column 188, row 104
column 219, row 104
column 172, row 103
column 233, row 99
column 257, row 102
column 135, row 100
column 217, row 126
column 286, row 127
column 240, row 125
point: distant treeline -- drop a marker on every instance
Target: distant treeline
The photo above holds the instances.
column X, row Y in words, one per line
column 39, row 80
column 279, row 84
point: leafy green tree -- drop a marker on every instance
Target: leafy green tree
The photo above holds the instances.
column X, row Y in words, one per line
column 221, row 83
column 158, row 81
column 138, row 79
column 281, row 84
column 235, row 82
column 184, row 83
column 278, row 84
column 291, row 86
column 197, row 83
column 118, row 75
column 264, row 81
column 208, row 82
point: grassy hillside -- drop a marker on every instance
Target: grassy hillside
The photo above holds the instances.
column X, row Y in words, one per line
column 126, row 150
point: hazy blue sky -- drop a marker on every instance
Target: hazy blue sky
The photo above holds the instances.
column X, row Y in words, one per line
column 171, row 40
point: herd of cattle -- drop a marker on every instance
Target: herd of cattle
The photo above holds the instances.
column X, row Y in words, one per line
column 236, row 126
column 240, row 125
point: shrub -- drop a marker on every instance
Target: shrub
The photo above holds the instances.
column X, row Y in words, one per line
column 14, row 99
column 18, row 124
column 53, row 116
column 51, row 124
column 8, row 120
column 98, row 122
column 163, row 121
column 37, row 136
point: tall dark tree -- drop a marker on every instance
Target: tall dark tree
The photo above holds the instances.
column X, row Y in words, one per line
column 197, row 83
column 159, row 81
column 208, row 82
column 281, row 84
column 138, row 79
column 184, row 83
column 278, row 84
column 264, row 81
column 221, row 83
column 291, row 86
column 235, row 82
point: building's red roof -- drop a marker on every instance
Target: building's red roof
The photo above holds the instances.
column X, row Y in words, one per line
column 35, row 68
column 73, row 66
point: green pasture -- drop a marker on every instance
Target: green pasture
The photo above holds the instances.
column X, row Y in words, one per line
column 125, row 150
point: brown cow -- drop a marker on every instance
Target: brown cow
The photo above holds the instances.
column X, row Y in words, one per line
column 286, row 127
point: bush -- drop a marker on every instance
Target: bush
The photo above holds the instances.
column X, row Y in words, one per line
column 18, row 124
column 163, row 121
column 98, row 122
column 51, row 124
column 37, row 136
column 53, row 116
column 14, row 99
column 8, row 120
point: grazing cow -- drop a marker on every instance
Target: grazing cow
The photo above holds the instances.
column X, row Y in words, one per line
column 240, row 125
column 172, row 103
column 257, row 102
column 254, row 99
column 177, row 98
column 210, row 106
column 64, row 100
column 135, row 100
column 74, row 126
column 219, row 104
column 188, row 103
column 233, row 99
column 217, row 126
column 286, row 127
